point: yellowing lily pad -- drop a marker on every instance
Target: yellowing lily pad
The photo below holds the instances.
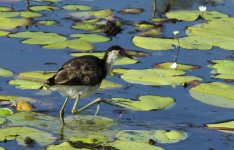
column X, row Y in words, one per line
column 109, row 85
column 4, row 33
column 76, row 44
column 11, row 23
column 93, row 38
column 157, row 77
column 121, row 61
column 166, row 65
column 43, row 8
column 5, row 73
column 5, row 112
column 144, row 103
column 222, row 126
column 134, row 145
column 160, row 136
column 223, row 69
column 215, row 93
column 77, row 7
column 41, row 137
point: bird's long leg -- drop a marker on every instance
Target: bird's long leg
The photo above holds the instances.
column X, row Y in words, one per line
column 98, row 100
column 75, row 104
column 61, row 114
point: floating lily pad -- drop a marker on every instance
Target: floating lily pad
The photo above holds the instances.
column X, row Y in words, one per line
column 144, row 103
column 5, row 112
column 166, row 65
column 109, row 85
column 1, row 148
column 5, row 73
column 11, row 23
column 161, row 136
column 36, row 75
column 121, row 61
column 131, row 11
column 43, row 8
column 40, row 137
column 188, row 15
column 224, row 69
column 29, row 14
column 144, row 26
column 150, row 32
column 76, row 44
column 2, row 120
column 222, row 126
column 93, row 38
column 105, row 13
column 26, row 84
column 91, row 139
column 127, row 145
column 23, row 106
column 15, row 98
column 5, row 8
column 86, row 26
column 157, row 77
column 39, row 37
column 9, row 14
column 4, row 33
column 47, row 22
column 215, row 93
column 64, row 146
column 77, row 7
column 51, row 1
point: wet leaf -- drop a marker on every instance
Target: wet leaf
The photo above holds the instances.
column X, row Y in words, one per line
column 77, row 7
column 223, row 69
column 64, row 146
column 86, row 26
column 222, row 126
column 47, row 22
column 166, row 65
column 109, row 85
column 4, row 33
column 41, row 137
column 29, row 14
column 144, row 103
column 93, row 38
column 5, row 112
column 24, row 106
column 26, row 84
column 11, row 23
column 160, row 136
column 131, row 11
column 127, row 145
column 157, row 77
column 105, row 13
column 43, row 8
column 5, row 73
column 76, row 44
column 215, row 93
column 2, row 120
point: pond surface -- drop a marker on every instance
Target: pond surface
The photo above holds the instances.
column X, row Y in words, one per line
column 187, row 114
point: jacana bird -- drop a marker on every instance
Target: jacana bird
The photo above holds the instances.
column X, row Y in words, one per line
column 82, row 76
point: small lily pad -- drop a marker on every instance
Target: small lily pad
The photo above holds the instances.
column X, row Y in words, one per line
column 144, row 103
column 157, row 77
column 86, row 26
column 144, row 26
column 223, row 69
column 215, row 93
column 127, row 145
column 109, row 85
column 11, row 23
column 29, row 14
column 77, row 7
column 1, row 148
column 105, row 13
column 2, row 120
column 43, row 8
column 93, row 38
column 5, row 73
column 222, row 126
column 131, row 11
column 166, row 65
column 5, row 112
column 41, row 137
column 47, row 22
column 26, row 84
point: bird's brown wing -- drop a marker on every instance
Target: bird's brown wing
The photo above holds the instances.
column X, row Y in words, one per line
column 85, row 70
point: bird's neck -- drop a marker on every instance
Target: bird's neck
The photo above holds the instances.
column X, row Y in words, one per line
column 109, row 61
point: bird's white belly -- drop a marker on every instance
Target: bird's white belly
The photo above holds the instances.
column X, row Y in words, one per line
column 74, row 91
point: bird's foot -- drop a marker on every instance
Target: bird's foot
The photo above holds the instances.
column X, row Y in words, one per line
column 74, row 111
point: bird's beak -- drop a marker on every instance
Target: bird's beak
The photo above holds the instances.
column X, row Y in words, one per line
column 125, row 54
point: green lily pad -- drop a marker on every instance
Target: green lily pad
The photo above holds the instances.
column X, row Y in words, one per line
column 91, row 139
column 5, row 8
column 47, row 22
column 188, row 15
column 77, row 7
column 26, row 84
column 5, row 73
column 11, row 23
column 150, row 32
column 131, row 11
column 223, row 69
column 39, row 37
column 34, row 75
column 15, row 98
column 127, row 145
column 152, row 43
column 144, row 26
column 93, row 38
column 157, row 77
column 40, row 137
column 5, row 112
column 51, row 1
column 144, row 103
column 109, row 85
column 86, row 26
column 105, row 13
column 166, row 65
column 4, row 33
column 9, row 14
column 76, row 44
column 121, row 61
column 215, row 93
column 1, row 148
column 2, row 120
column 222, row 126
column 64, row 146
column 160, row 136
column 29, row 14
column 43, row 8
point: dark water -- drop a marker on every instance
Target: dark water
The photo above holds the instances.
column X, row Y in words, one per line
column 187, row 114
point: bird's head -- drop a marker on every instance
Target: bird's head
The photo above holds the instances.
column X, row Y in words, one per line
column 115, row 52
